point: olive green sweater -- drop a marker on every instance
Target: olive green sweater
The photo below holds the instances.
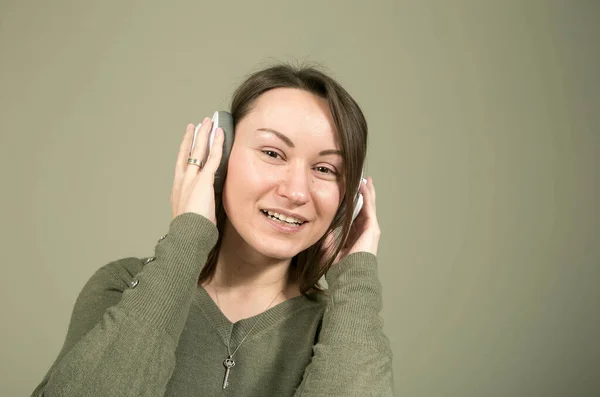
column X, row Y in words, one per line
column 144, row 328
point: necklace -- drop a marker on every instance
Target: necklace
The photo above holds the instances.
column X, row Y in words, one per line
column 229, row 363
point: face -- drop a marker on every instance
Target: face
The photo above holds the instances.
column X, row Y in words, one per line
column 285, row 160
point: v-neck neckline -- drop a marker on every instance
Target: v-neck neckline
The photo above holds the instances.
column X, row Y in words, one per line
column 233, row 333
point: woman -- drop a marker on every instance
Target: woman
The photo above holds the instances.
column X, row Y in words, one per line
column 230, row 303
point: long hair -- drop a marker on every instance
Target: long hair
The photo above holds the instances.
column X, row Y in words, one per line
column 311, row 264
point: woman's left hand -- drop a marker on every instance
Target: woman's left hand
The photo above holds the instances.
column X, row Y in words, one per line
column 364, row 231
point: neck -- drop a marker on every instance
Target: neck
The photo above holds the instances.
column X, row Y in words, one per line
column 243, row 272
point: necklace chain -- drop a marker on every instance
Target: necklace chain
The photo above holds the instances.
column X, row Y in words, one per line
column 251, row 328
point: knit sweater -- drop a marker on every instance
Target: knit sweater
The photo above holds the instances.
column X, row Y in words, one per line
column 142, row 329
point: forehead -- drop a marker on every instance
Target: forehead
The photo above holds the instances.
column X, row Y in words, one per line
column 296, row 113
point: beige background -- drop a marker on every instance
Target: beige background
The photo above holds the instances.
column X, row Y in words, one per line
column 484, row 149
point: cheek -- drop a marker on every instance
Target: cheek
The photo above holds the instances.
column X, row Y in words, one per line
column 240, row 167
column 327, row 199
column 247, row 176
column 247, row 169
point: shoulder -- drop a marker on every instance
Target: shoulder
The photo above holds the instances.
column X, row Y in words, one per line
column 102, row 290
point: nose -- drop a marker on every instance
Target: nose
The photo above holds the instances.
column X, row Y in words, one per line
column 294, row 186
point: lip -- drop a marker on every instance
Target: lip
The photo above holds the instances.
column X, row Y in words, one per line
column 282, row 227
column 286, row 213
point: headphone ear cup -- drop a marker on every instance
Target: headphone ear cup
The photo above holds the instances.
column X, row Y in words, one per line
column 359, row 197
column 224, row 120
column 357, row 206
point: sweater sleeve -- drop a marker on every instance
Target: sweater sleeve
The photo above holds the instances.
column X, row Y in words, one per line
column 123, row 335
column 352, row 356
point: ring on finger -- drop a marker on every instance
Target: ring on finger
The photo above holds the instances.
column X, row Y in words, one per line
column 194, row 161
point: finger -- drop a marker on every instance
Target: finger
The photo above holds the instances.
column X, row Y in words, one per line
column 180, row 165
column 184, row 148
column 368, row 199
column 199, row 149
column 201, row 141
column 197, row 152
column 216, row 152
column 372, row 185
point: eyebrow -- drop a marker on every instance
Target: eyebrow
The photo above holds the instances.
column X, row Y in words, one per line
column 289, row 142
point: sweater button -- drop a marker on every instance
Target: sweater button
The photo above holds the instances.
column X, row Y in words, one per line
column 134, row 283
column 162, row 238
column 148, row 260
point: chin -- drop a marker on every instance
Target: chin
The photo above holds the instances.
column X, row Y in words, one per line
column 272, row 247
column 276, row 246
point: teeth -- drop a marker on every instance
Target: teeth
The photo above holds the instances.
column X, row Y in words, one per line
column 287, row 219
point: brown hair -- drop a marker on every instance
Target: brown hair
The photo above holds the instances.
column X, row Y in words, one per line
column 311, row 264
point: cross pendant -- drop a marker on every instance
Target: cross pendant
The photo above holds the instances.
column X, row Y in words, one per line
column 228, row 363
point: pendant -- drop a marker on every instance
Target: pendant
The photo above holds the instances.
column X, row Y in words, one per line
column 228, row 363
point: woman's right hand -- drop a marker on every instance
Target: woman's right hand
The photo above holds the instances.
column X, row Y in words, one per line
column 193, row 188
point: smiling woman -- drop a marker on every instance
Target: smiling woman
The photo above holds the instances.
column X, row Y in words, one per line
column 293, row 167
column 231, row 298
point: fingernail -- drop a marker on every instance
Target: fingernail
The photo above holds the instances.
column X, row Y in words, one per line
column 364, row 180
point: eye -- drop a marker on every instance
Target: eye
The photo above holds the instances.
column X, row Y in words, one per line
column 271, row 153
column 326, row 170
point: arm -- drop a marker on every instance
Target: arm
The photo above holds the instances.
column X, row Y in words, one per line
column 352, row 356
column 122, row 339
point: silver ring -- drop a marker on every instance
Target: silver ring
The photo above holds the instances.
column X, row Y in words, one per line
column 194, row 161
